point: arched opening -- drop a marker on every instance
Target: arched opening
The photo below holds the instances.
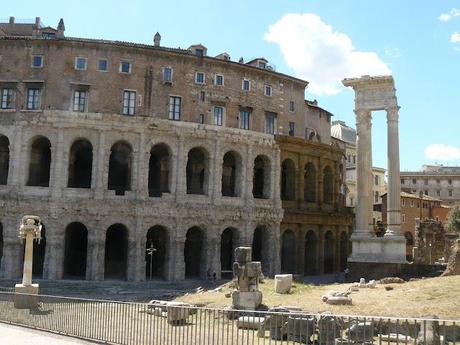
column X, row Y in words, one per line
column 120, row 165
column 261, row 248
column 231, row 170
column 116, row 252
column 39, row 255
column 193, row 252
column 159, row 167
column 261, row 179
column 309, row 193
column 4, row 159
column 76, row 243
column 80, row 164
column 1, row 244
column 328, row 185
column 311, row 254
column 343, row 251
column 288, row 180
column 409, row 245
column 156, row 246
column 40, row 162
column 197, row 171
column 228, row 243
column 329, row 256
column 288, row 252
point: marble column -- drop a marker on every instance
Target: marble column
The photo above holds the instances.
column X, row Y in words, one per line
column 364, row 174
column 394, row 186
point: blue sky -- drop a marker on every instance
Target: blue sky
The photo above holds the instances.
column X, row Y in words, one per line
column 408, row 38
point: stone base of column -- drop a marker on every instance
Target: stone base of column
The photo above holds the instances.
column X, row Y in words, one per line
column 30, row 298
column 391, row 249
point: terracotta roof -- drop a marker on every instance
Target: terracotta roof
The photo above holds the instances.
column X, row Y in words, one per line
column 17, row 29
column 416, row 196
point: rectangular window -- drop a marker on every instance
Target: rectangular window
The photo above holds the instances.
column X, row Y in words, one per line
column 199, row 78
column 199, row 52
column 246, row 86
column 102, row 65
column 80, row 63
column 7, row 98
column 412, row 203
column 403, row 202
column 245, row 115
column 291, row 129
column 37, row 61
column 129, row 102
column 33, row 98
column 201, row 119
column 438, row 193
column 403, row 181
column 270, row 123
column 175, row 108
column 414, row 181
column 125, row 67
column 449, row 181
column 218, row 116
column 262, row 64
column 202, row 96
column 425, row 192
column 376, row 197
column 79, row 100
column 291, row 106
column 219, row 80
column 167, row 74
column 268, row 90
column 403, row 218
column 450, row 193
column 376, row 180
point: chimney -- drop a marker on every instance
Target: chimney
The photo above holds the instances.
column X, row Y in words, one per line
column 11, row 20
column 37, row 22
column 241, row 60
column 157, row 39
column 61, row 28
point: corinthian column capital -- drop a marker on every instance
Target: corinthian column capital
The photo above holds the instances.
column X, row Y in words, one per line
column 392, row 113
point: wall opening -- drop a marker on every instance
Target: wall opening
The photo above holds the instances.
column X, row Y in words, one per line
column 120, row 166
column 310, row 182
column 4, row 159
column 40, row 163
column 328, row 185
column 343, row 251
column 311, row 254
column 80, row 164
column 116, row 252
column 39, row 255
column 159, row 168
column 329, row 253
column 193, row 252
column 76, row 243
column 231, row 171
column 288, row 252
column 156, row 243
column 261, row 179
column 197, row 171
column 261, row 248
column 228, row 242
column 288, row 180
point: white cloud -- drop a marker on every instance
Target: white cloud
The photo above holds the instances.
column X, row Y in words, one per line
column 393, row 52
column 442, row 152
column 455, row 38
column 445, row 17
column 321, row 55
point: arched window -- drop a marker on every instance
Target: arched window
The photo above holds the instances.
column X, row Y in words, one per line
column 159, row 167
column 228, row 242
column 261, row 179
column 4, row 159
column 156, row 250
column 80, row 164
column 116, row 252
column 40, row 163
column 311, row 253
column 76, row 243
column 120, row 166
column 328, row 185
column 288, row 180
column 329, row 253
column 288, row 252
column 310, row 182
column 197, row 171
column 193, row 255
column 261, row 248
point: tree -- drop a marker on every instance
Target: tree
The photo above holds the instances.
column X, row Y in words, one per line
column 453, row 220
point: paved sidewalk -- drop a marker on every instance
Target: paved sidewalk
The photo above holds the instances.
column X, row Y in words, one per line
column 15, row 335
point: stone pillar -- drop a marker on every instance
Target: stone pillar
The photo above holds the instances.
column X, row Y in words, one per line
column 101, row 164
column 54, row 258
column 275, row 183
column 215, row 172
column 275, row 267
column 363, row 174
column 211, row 250
column 27, row 272
column 14, row 173
column 143, row 169
column 176, row 262
column 95, row 259
column 57, row 157
column 139, row 250
column 320, row 261
column 179, row 168
column 249, row 166
column 11, row 260
column 394, row 186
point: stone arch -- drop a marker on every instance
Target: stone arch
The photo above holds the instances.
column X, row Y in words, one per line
column 4, row 159
column 328, row 185
column 159, row 170
column 261, row 178
column 311, row 253
column 156, row 263
column 288, row 252
column 40, row 162
column 309, row 193
column 193, row 252
column 116, row 252
column 75, row 252
column 197, row 171
column 329, row 253
column 343, row 251
column 39, row 255
column 228, row 242
column 120, row 166
column 231, row 174
column 288, row 180
column 80, row 164
column 261, row 248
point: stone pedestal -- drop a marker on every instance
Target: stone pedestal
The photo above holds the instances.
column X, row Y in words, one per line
column 250, row 300
column 283, row 283
column 30, row 298
column 391, row 249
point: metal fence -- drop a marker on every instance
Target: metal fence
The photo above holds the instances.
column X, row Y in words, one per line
column 162, row 323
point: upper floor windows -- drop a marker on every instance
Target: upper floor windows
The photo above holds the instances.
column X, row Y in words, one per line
column 219, row 80
column 199, row 78
column 126, row 67
column 37, row 61
column 80, row 100
column 376, row 180
column 246, row 85
column 270, row 123
column 129, row 102
column 33, row 98
column 175, row 104
column 102, row 65
column 218, row 116
column 245, row 115
column 167, row 75
column 80, row 63
column 291, row 129
column 291, row 106
column 7, row 100
column 199, row 52
column 268, row 90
